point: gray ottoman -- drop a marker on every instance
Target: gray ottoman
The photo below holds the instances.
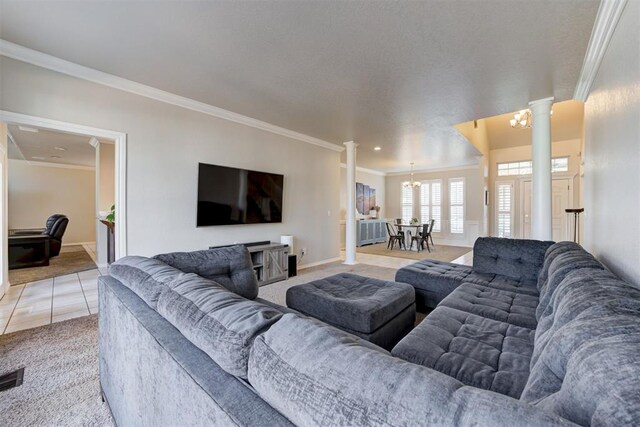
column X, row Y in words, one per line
column 379, row 311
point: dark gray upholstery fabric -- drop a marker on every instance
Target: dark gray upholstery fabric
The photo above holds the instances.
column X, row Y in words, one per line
column 151, row 375
column 357, row 303
column 515, row 258
column 221, row 323
column 551, row 254
column 433, row 279
column 230, row 266
column 477, row 351
column 505, row 306
column 317, row 375
column 217, row 321
column 144, row 276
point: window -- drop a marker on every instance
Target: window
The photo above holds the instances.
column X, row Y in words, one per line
column 430, row 203
column 456, row 206
column 407, row 204
column 504, row 202
column 558, row 164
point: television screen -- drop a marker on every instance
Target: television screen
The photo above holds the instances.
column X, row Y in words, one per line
column 238, row 196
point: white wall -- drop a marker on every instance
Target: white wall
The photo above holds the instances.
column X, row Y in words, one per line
column 165, row 144
column 4, row 225
column 570, row 148
column 612, row 153
column 474, row 202
column 37, row 192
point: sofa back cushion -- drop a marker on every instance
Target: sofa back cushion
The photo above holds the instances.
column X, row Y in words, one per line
column 144, row 276
column 317, row 375
column 514, row 258
column 588, row 371
column 219, row 322
column 552, row 252
column 229, row 266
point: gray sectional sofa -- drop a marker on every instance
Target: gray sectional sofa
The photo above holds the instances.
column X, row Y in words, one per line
column 178, row 348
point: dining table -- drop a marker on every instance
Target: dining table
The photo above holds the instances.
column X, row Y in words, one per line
column 409, row 227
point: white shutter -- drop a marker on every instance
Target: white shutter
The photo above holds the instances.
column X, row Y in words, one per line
column 504, row 202
column 425, row 202
column 436, row 205
column 456, row 206
column 407, row 204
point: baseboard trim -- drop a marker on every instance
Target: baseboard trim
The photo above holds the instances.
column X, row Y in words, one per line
column 315, row 264
column 79, row 243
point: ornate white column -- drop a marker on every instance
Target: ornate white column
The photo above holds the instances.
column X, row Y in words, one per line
column 541, row 221
column 350, row 239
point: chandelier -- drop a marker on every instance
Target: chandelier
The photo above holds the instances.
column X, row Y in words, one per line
column 411, row 182
column 523, row 119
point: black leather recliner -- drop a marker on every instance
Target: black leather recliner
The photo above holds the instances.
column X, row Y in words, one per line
column 55, row 228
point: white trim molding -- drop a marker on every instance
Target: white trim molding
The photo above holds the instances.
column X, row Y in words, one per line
column 40, row 59
column 56, row 165
column 606, row 21
column 365, row 170
column 120, row 139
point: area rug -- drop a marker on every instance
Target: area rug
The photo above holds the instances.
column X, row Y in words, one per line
column 61, row 383
column 438, row 252
column 72, row 259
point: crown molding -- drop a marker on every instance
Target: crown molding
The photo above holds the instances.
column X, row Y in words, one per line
column 55, row 165
column 447, row 169
column 365, row 170
column 24, row 54
column 605, row 24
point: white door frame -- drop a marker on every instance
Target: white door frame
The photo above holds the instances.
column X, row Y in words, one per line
column 120, row 139
column 568, row 176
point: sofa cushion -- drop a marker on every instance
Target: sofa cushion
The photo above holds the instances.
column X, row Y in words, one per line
column 505, row 306
column 560, row 267
column 504, row 283
column 144, row 276
column 515, row 258
column 551, row 254
column 581, row 290
column 588, row 372
column 219, row 322
column 477, row 351
column 317, row 375
column 434, row 279
column 229, row 266
column 350, row 301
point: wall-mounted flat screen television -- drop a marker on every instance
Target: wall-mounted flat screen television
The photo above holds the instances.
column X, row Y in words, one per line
column 238, row 196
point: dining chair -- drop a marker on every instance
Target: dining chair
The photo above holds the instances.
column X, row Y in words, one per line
column 431, row 224
column 394, row 237
column 398, row 224
column 420, row 238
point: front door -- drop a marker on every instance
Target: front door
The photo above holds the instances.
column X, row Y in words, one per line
column 560, row 198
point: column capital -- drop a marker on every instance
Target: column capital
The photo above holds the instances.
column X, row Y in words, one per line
column 541, row 105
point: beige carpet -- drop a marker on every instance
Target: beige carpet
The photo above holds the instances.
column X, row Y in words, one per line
column 61, row 386
column 439, row 252
column 72, row 259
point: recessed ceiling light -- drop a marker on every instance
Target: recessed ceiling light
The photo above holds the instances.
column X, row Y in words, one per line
column 28, row 129
column 55, row 157
column 37, row 158
column 60, row 148
column 377, row 148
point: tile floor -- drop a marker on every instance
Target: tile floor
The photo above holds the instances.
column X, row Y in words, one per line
column 74, row 295
column 51, row 300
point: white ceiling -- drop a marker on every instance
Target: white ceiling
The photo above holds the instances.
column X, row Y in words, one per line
column 51, row 147
column 391, row 74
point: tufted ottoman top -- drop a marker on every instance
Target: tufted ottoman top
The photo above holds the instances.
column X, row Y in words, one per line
column 358, row 303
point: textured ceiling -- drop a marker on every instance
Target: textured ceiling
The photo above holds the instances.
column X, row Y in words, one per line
column 51, row 147
column 566, row 123
column 391, row 74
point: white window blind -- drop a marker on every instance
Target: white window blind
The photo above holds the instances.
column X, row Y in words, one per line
column 431, row 203
column 504, row 202
column 456, row 206
column 558, row 164
column 407, row 204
